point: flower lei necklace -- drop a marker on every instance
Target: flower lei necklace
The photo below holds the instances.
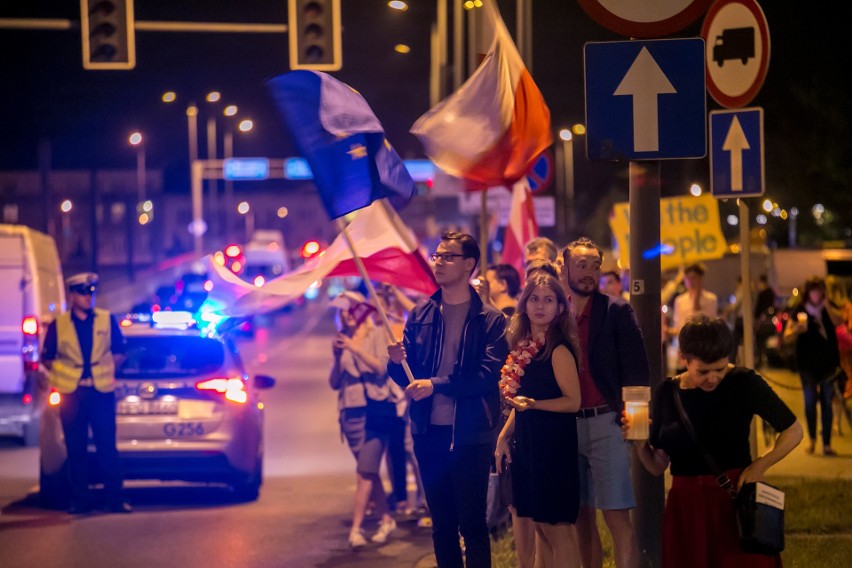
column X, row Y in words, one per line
column 519, row 357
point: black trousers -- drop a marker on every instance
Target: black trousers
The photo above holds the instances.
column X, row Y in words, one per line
column 84, row 408
column 456, row 486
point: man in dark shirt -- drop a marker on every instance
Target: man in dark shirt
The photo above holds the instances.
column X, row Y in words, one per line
column 81, row 350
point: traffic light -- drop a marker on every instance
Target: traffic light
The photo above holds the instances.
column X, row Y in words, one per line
column 314, row 28
column 108, row 34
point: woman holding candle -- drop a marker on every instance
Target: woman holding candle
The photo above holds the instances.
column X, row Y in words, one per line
column 540, row 383
column 699, row 525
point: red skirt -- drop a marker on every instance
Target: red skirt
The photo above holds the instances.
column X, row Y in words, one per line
column 700, row 527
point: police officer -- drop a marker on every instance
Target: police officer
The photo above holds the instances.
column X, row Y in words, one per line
column 81, row 350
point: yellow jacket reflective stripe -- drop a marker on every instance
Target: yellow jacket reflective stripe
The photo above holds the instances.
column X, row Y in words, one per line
column 67, row 368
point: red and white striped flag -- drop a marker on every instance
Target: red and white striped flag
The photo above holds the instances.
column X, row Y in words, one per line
column 522, row 226
column 388, row 249
column 493, row 128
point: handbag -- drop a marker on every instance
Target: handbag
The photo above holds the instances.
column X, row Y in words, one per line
column 759, row 506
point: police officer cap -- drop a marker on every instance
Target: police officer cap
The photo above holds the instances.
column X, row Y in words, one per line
column 82, row 282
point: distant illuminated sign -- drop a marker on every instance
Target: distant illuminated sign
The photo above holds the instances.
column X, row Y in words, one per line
column 297, row 168
column 420, row 170
column 246, row 168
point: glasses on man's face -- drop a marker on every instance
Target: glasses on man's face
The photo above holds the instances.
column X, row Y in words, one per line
column 445, row 256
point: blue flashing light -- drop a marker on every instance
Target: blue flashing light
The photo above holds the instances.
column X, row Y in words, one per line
column 659, row 250
column 297, row 168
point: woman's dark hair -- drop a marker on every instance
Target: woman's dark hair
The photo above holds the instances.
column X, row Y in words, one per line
column 705, row 338
column 508, row 274
column 812, row 283
column 544, row 265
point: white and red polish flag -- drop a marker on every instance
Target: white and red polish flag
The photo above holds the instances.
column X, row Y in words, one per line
column 522, row 226
column 389, row 250
column 492, row 129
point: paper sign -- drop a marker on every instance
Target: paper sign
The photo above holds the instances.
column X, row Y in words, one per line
column 690, row 231
column 768, row 495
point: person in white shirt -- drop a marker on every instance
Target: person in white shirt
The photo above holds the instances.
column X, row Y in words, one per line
column 696, row 300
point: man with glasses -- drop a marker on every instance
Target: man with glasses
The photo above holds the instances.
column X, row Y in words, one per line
column 81, row 350
column 455, row 346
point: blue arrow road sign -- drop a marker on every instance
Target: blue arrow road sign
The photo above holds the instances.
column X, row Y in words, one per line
column 645, row 100
column 736, row 152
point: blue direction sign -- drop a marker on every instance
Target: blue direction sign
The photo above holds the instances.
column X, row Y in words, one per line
column 645, row 100
column 736, row 152
column 245, row 168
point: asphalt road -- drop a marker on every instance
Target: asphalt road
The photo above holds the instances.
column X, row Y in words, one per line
column 300, row 520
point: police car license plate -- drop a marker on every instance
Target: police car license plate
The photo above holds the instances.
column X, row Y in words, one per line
column 146, row 407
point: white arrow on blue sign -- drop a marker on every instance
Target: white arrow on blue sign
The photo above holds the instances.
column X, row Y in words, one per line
column 645, row 100
column 736, row 152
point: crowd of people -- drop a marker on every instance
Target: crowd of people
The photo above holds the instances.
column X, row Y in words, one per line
column 522, row 374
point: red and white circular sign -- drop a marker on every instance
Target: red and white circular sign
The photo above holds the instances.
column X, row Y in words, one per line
column 644, row 19
column 736, row 39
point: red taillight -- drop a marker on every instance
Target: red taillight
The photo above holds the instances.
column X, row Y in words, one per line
column 54, row 398
column 233, row 388
column 27, row 398
column 29, row 348
column 30, row 325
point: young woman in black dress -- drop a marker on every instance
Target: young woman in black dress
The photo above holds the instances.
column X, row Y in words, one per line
column 539, row 439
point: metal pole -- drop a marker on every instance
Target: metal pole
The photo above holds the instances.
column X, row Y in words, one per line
column 140, row 172
column 434, row 68
column 442, row 48
column 748, row 325
column 524, row 31
column 458, row 44
column 197, row 226
column 212, row 183
column 568, row 160
column 645, row 299
column 44, row 181
column 228, row 205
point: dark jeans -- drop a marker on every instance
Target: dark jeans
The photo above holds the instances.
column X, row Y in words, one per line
column 78, row 411
column 814, row 393
column 456, row 485
column 396, row 464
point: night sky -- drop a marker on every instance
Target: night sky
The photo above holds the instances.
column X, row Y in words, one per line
column 87, row 115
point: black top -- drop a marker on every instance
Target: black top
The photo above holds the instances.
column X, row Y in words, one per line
column 85, row 330
column 721, row 418
column 817, row 355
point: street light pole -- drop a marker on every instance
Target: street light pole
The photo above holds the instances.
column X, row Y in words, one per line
column 228, row 152
column 140, row 172
column 212, row 183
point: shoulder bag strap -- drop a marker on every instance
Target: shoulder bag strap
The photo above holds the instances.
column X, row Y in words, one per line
column 721, row 477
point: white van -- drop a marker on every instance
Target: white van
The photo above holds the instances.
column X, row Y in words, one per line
column 265, row 257
column 33, row 294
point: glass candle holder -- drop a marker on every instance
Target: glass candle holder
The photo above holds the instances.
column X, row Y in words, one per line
column 636, row 401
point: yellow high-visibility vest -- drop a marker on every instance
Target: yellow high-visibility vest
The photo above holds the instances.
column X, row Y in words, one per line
column 67, row 368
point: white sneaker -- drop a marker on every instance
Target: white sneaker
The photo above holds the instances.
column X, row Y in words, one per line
column 357, row 539
column 384, row 531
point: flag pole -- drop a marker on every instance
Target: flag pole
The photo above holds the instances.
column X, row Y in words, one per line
column 483, row 240
column 372, row 291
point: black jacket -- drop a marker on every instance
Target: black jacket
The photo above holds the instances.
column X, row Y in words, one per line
column 617, row 356
column 473, row 382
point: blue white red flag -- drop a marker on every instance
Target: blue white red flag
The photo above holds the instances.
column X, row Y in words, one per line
column 336, row 131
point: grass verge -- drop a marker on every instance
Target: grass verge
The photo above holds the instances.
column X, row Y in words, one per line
column 818, row 522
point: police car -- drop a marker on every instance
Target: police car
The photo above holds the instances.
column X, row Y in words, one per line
column 185, row 410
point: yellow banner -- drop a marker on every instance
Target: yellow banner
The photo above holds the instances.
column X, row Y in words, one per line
column 690, row 230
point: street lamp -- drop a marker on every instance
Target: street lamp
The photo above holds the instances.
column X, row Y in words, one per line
column 135, row 140
column 245, row 210
column 65, row 207
column 569, row 216
column 228, row 148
